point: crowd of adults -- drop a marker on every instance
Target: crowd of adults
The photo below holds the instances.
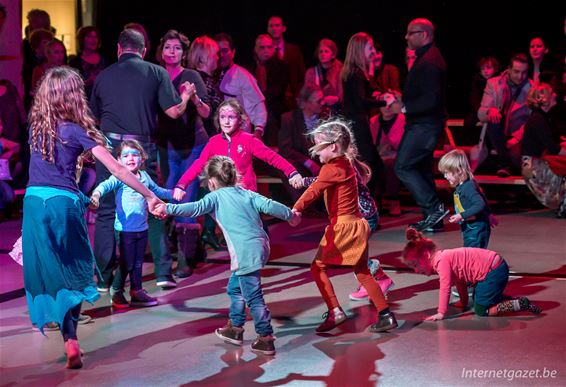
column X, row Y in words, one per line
column 397, row 115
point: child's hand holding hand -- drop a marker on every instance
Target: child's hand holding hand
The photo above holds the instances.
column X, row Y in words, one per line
column 178, row 194
column 156, row 207
column 94, row 200
column 296, row 219
column 438, row 316
column 455, row 218
column 296, row 181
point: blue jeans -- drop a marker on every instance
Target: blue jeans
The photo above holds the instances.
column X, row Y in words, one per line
column 246, row 289
column 414, row 163
column 489, row 291
column 173, row 165
column 476, row 234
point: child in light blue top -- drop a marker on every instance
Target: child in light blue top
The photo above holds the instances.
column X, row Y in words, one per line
column 237, row 211
column 131, row 223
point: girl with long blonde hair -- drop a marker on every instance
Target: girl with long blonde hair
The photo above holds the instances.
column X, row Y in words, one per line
column 345, row 240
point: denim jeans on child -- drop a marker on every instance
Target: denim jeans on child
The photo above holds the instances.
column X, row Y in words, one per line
column 476, row 234
column 246, row 289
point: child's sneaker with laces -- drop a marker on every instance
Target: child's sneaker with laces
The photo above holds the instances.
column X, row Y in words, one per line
column 386, row 284
column 359, row 295
column 231, row 334
column 140, row 298
column 332, row 319
column 264, row 345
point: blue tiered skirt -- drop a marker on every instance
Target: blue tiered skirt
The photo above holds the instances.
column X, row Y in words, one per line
column 58, row 259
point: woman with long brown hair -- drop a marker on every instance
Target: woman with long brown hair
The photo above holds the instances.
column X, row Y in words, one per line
column 59, row 263
column 358, row 99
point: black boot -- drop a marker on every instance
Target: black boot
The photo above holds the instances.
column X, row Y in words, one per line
column 384, row 323
column 187, row 237
column 209, row 238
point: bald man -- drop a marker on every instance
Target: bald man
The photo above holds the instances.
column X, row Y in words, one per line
column 424, row 100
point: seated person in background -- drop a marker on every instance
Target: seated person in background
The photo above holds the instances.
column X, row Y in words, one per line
column 544, row 175
column 326, row 74
column 504, row 108
column 236, row 82
column 272, row 76
column 294, row 142
column 55, row 54
column 290, row 54
column 89, row 62
column 387, row 129
column 489, row 67
column 542, row 66
column 385, row 76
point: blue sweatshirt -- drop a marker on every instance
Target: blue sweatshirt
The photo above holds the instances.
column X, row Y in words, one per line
column 237, row 212
column 131, row 206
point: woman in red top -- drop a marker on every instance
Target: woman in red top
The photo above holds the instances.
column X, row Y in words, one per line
column 345, row 240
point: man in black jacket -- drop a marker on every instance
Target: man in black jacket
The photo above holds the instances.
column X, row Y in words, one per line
column 424, row 99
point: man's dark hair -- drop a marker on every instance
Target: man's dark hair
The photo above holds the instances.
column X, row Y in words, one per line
column 222, row 36
column 521, row 58
column 131, row 40
column 3, row 9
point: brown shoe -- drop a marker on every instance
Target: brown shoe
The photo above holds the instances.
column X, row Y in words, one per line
column 264, row 345
column 231, row 334
column 331, row 320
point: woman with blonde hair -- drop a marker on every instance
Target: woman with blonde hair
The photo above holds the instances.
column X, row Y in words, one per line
column 358, row 99
column 203, row 57
column 59, row 262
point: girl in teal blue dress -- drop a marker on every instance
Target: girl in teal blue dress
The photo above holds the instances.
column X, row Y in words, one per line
column 58, row 259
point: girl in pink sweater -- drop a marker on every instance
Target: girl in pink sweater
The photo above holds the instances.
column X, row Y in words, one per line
column 240, row 146
column 485, row 269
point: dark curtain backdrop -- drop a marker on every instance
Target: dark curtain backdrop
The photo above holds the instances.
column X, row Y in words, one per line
column 465, row 32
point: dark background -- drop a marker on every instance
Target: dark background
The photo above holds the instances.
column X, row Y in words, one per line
column 465, row 30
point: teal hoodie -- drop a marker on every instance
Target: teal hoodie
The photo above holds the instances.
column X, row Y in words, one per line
column 237, row 212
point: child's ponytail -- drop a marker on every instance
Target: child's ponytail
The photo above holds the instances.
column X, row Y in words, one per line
column 417, row 245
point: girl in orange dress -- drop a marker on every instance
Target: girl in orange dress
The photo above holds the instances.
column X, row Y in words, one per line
column 345, row 240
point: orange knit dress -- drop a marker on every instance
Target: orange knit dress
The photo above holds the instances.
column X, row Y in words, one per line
column 345, row 239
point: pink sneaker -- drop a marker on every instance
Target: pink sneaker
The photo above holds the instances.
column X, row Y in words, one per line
column 386, row 284
column 359, row 295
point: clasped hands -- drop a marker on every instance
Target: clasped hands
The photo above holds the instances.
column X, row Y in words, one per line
column 188, row 88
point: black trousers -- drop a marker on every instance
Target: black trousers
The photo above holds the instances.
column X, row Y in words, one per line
column 414, row 163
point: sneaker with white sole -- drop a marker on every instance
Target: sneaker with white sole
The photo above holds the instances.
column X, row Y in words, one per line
column 231, row 334
column 264, row 345
column 85, row 319
column 386, row 284
column 48, row 327
column 166, row 283
column 359, row 295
